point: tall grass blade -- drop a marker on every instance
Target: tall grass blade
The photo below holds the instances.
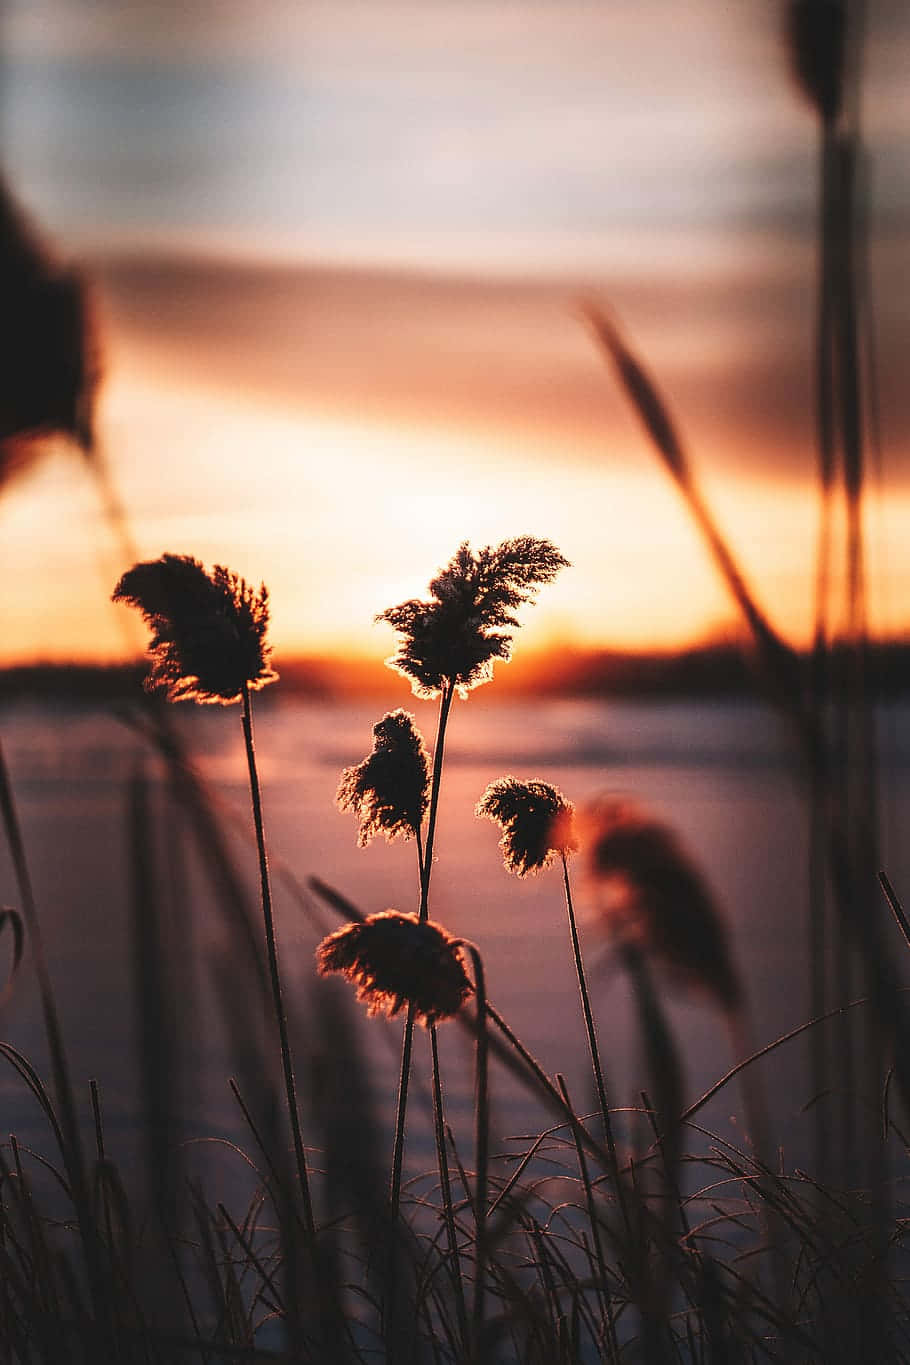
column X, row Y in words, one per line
column 778, row 660
column 157, row 1058
column 897, row 909
column 593, row 1049
column 481, row 1155
column 780, row 666
column 70, row 1138
column 426, row 871
column 445, row 1189
column 274, row 973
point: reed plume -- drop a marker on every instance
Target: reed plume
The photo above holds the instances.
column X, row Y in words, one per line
column 49, row 356
column 209, row 645
column 816, row 39
column 396, row 959
column 454, row 638
column 538, row 825
column 390, row 790
column 208, row 629
column 449, row 644
column 536, row 820
column 654, row 899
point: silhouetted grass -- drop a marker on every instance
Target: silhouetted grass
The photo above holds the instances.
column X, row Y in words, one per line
column 630, row 1234
column 507, row 1257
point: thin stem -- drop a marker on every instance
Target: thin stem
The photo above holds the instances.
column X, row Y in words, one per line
column 419, row 837
column 287, row 1066
column 56, row 1047
column 425, row 862
column 586, row 1007
column 441, row 1156
column 73, row 1158
column 403, row 1081
column 895, row 906
column 818, row 927
column 608, row 1328
column 446, row 1190
column 445, row 705
column 592, row 1044
column 481, row 1150
column 543, row 1085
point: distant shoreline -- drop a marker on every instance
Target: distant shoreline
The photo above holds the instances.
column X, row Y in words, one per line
column 709, row 671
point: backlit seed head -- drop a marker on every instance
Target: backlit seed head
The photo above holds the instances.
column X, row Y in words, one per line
column 208, row 629
column 396, row 960
column 536, row 820
column 454, row 638
column 389, row 790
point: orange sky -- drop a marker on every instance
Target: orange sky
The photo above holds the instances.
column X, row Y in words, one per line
column 339, row 250
column 284, row 452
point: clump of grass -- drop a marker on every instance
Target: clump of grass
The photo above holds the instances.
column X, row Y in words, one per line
column 526, row 1264
column 448, row 646
column 565, row 1287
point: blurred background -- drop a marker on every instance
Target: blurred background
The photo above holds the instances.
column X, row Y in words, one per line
column 339, row 249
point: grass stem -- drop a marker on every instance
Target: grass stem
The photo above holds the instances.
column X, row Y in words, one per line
column 274, row 974
column 445, row 1186
column 73, row 1157
column 593, row 1048
column 425, row 863
column 481, row 1152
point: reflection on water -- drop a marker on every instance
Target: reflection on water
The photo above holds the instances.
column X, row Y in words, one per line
column 719, row 774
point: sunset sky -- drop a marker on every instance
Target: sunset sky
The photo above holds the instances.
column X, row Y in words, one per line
column 339, row 248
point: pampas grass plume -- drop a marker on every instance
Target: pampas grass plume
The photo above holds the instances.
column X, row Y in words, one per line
column 536, row 820
column 395, row 960
column 208, row 629
column 453, row 639
column 390, row 790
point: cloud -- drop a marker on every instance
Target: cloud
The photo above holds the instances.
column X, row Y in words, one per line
column 731, row 345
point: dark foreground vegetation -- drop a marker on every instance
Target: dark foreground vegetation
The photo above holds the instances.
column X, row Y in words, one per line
column 614, row 1235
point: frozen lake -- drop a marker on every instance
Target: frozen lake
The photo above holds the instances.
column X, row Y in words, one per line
column 718, row 773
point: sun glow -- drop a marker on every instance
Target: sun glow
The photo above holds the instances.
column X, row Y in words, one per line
column 342, row 517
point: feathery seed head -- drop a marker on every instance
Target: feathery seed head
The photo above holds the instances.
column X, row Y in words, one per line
column 395, row 960
column 49, row 355
column 536, row 820
column 208, row 629
column 389, row 790
column 817, row 43
column 455, row 636
column 653, row 897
